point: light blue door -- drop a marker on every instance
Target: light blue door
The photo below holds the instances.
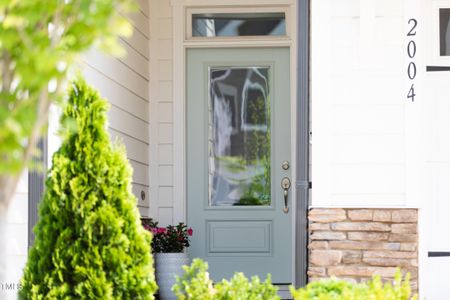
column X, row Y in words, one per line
column 238, row 156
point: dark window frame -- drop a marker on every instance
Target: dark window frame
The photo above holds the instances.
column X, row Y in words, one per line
column 36, row 183
column 444, row 12
column 302, row 184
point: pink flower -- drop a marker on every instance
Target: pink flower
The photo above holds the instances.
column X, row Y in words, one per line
column 161, row 230
column 190, row 231
column 154, row 230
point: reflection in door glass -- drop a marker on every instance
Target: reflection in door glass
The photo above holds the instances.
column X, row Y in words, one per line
column 239, row 136
column 241, row 24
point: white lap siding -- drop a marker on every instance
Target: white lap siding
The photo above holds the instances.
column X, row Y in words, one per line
column 124, row 82
column 161, row 112
column 372, row 146
column 16, row 240
column 358, row 103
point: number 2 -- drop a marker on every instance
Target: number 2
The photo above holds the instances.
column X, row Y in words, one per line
column 412, row 31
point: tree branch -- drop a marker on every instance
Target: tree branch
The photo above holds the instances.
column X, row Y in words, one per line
column 7, row 74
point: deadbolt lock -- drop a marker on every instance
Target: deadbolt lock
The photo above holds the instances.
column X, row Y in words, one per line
column 285, row 165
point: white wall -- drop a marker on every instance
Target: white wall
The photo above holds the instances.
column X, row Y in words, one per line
column 436, row 161
column 371, row 145
column 358, row 103
column 125, row 83
column 17, row 238
column 161, row 111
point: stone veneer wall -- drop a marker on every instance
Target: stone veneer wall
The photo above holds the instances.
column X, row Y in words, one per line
column 354, row 244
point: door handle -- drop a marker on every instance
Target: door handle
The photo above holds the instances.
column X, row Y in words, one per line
column 285, row 185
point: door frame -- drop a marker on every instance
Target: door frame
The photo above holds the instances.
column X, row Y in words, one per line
column 297, row 15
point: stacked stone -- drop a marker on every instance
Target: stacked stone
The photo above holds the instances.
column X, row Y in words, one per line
column 354, row 244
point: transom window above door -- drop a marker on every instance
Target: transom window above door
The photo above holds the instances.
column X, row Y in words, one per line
column 241, row 23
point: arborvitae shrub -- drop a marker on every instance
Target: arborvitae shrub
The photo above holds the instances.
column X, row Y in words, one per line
column 89, row 240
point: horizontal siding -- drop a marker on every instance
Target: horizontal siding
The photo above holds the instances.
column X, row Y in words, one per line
column 140, row 172
column 117, row 95
column 119, row 72
column 142, row 199
column 358, row 105
column 161, row 112
column 140, row 22
column 17, row 237
column 139, row 42
column 143, row 7
column 136, row 149
column 127, row 123
column 124, row 81
column 135, row 60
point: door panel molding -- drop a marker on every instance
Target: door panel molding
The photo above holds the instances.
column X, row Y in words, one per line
column 254, row 237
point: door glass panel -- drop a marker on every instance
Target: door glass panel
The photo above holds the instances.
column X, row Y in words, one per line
column 242, row 24
column 239, row 136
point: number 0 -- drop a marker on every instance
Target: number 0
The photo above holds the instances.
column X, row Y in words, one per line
column 411, row 49
column 412, row 70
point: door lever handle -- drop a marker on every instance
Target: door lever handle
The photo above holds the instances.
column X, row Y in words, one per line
column 285, row 185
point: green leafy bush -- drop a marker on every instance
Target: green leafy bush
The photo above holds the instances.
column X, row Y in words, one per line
column 195, row 284
column 333, row 289
column 89, row 240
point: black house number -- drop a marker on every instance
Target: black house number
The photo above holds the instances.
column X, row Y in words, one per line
column 411, row 50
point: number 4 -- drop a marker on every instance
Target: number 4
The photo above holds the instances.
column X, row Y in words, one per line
column 411, row 93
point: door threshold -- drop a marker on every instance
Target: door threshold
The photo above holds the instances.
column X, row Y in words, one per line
column 283, row 291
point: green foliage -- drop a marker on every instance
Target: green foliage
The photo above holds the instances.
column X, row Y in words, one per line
column 256, row 190
column 333, row 289
column 170, row 239
column 39, row 41
column 195, row 284
column 89, row 240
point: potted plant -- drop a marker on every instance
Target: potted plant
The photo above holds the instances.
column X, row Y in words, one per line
column 168, row 247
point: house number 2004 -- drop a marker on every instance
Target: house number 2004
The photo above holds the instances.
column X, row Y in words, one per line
column 411, row 50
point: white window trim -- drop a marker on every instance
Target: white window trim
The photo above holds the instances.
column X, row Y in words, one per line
column 241, row 9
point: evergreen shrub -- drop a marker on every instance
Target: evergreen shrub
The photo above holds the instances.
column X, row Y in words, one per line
column 89, row 240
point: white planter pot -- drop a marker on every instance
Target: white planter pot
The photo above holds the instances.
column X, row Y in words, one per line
column 167, row 266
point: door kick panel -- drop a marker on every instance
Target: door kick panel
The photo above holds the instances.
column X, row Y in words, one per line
column 239, row 237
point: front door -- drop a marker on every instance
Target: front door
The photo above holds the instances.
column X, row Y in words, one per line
column 239, row 199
